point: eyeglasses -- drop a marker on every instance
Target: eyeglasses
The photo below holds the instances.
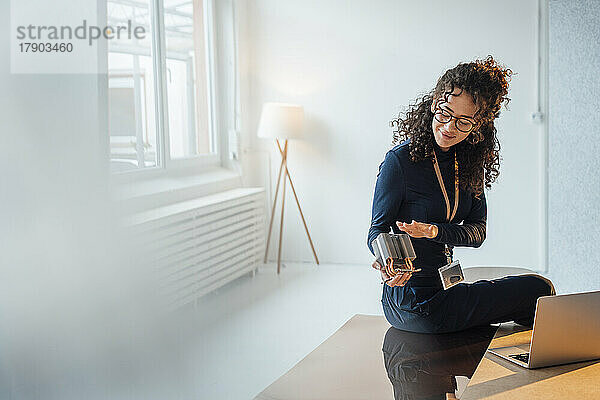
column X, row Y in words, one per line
column 462, row 124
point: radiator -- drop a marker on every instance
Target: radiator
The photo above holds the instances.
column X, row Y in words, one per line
column 197, row 246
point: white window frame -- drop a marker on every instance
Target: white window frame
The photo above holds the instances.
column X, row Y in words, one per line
column 166, row 166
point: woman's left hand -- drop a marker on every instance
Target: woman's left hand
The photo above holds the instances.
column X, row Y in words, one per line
column 418, row 229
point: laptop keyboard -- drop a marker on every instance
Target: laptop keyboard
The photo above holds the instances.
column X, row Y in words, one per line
column 523, row 357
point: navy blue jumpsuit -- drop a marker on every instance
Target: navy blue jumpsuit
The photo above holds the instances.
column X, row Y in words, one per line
column 407, row 191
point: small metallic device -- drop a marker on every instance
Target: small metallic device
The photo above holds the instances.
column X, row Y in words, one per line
column 395, row 253
column 451, row 274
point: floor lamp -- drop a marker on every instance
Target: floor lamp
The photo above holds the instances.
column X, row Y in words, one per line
column 282, row 121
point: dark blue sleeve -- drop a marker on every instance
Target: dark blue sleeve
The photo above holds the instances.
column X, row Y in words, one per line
column 471, row 233
column 388, row 197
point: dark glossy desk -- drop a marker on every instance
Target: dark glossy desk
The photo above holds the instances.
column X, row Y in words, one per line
column 367, row 359
column 346, row 366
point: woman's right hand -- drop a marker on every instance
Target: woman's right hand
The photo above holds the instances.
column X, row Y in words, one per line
column 398, row 280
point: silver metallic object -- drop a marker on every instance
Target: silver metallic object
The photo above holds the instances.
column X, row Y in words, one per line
column 394, row 252
column 566, row 329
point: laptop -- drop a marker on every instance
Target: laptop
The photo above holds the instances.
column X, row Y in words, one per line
column 566, row 329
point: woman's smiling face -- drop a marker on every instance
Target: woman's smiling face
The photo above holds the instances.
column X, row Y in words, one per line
column 458, row 104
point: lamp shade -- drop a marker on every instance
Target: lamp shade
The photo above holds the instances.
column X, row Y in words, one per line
column 281, row 121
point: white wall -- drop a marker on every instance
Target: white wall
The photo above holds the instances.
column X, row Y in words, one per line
column 354, row 65
column 574, row 223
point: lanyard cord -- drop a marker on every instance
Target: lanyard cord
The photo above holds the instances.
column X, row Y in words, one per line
column 448, row 249
column 443, row 187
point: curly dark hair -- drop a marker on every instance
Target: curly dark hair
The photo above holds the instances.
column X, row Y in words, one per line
column 487, row 83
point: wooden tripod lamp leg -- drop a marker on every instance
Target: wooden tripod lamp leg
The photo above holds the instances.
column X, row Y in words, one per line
column 281, row 222
column 287, row 174
column 274, row 205
column 302, row 216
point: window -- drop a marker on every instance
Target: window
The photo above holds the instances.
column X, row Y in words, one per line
column 160, row 88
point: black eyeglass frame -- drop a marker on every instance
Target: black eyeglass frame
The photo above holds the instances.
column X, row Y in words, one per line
column 449, row 117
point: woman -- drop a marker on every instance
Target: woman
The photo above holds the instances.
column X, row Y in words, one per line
column 431, row 186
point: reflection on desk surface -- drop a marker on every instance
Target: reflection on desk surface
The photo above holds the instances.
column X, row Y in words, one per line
column 425, row 366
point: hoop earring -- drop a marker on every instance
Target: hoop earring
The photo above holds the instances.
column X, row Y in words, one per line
column 474, row 138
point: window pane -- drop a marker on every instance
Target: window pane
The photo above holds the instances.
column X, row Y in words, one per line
column 131, row 96
column 187, row 90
